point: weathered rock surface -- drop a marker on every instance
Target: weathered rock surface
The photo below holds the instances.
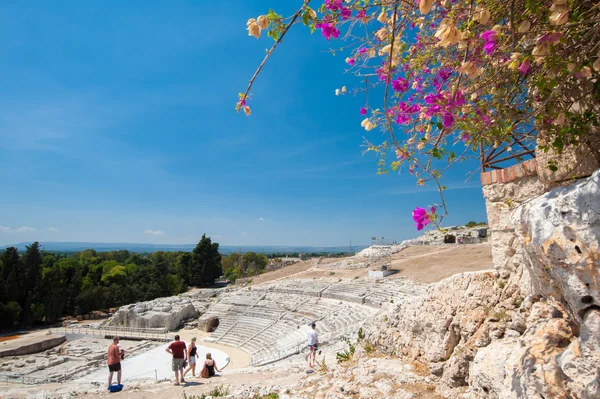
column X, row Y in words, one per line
column 560, row 232
column 445, row 327
column 529, row 330
column 169, row 313
column 208, row 324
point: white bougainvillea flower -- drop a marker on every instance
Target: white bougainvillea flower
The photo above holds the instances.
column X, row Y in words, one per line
column 344, row 89
column 470, row 69
column 247, row 110
column 421, row 182
column 251, row 21
column 585, row 72
column 540, row 52
column 420, row 146
column 254, row 29
column 559, row 17
column 382, row 34
column 481, row 15
column 337, row 92
column 514, row 61
column 367, row 124
column 383, row 16
column 524, row 26
column 425, row 6
column 448, row 34
column 263, row 22
column 560, row 119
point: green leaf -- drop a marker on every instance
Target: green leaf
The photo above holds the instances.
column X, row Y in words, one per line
column 305, row 18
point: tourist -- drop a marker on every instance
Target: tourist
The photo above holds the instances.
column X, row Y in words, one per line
column 313, row 345
column 208, row 370
column 177, row 349
column 192, row 355
column 115, row 354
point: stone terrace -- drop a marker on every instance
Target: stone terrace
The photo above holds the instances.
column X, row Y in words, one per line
column 272, row 317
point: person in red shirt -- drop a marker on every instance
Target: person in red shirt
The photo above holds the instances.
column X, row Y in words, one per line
column 115, row 354
column 177, row 349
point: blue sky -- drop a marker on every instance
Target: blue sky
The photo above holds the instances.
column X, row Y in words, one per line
column 118, row 125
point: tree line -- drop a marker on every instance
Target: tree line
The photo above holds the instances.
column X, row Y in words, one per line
column 249, row 264
column 39, row 287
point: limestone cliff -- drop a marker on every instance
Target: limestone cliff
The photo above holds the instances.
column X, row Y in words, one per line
column 528, row 331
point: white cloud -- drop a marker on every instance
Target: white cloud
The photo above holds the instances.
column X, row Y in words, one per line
column 53, row 229
column 244, row 234
column 261, row 219
column 25, row 229
column 155, row 233
column 22, row 229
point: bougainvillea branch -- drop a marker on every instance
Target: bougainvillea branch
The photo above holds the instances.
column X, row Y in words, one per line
column 487, row 79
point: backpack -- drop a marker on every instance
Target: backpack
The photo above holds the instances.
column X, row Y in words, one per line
column 115, row 388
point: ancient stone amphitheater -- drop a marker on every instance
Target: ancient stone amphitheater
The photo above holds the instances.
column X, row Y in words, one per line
column 270, row 321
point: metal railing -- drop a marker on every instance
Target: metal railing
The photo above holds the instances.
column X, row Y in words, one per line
column 151, row 334
column 27, row 380
column 270, row 355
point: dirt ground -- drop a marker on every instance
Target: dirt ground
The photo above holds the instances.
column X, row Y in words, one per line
column 284, row 272
column 431, row 264
column 426, row 264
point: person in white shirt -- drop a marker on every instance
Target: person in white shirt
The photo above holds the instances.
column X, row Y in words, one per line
column 313, row 344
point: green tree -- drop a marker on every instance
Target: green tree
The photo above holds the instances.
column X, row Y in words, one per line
column 183, row 266
column 32, row 264
column 205, row 266
column 12, row 275
column 9, row 314
column 233, row 266
column 255, row 263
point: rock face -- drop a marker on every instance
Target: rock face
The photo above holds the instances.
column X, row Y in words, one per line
column 445, row 327
column 169, row 313
column 208, row 324
column 530, row 329
column 560, row 232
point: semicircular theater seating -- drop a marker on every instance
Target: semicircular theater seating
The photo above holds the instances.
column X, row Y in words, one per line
column 271, row 321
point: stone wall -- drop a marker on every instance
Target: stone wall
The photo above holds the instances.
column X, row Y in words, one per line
column 35, row 347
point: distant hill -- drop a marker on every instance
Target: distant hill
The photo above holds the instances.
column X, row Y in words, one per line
column 132, row 247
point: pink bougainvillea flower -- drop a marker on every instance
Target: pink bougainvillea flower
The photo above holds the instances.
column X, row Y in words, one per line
column 333, row 5
column 489, row 36
column 490, row 47
column 491, row 41
column 350, row 61
column 550, row 37
column 400, row 84
column 447, row 119
column 363, row 111
column 362, row 50
column 402, row 119
column 328, row 30
column 525, row 67
column 465, row 137
column 346, row 13
column 422, row 218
